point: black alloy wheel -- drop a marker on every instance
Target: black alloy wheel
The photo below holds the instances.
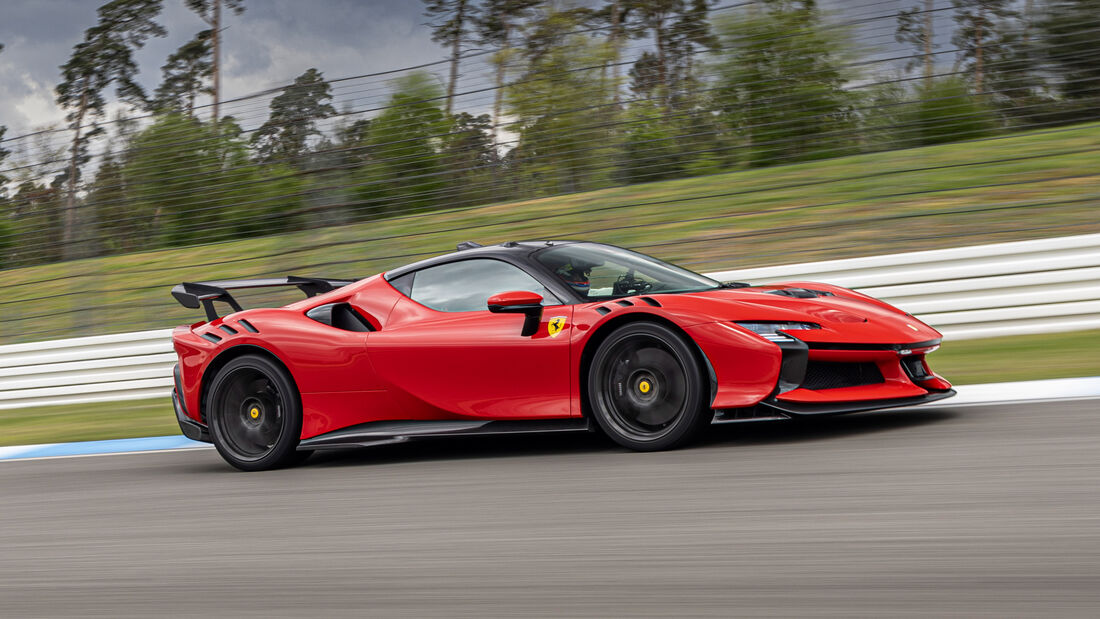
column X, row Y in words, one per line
column 646, row 388
column 255, row 414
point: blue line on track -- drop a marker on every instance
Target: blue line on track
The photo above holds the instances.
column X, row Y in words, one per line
column 88, row 448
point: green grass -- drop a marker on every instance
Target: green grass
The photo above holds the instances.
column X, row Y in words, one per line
column 1025, row 185
column 87, row 422
column 1021, row 357
column 1026, row 357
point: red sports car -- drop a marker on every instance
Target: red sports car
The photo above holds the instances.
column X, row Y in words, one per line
column 533, row 337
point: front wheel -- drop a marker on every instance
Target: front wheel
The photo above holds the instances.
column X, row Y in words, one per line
column 255, row 415
column 646, row 388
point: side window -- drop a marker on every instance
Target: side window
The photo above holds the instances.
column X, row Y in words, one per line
column 465, row 286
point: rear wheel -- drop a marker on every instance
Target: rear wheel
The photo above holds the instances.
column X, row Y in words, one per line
column 255, row 415
column 646, row 388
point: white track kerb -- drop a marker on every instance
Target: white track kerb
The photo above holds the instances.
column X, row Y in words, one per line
column 969, row 395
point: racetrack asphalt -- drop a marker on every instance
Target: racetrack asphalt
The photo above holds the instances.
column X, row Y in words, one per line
column 973, row 511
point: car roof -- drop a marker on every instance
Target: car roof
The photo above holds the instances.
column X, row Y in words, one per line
column 510, row 251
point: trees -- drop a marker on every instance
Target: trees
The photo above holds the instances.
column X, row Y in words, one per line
column 470, row 159
column 561, row 110
column 945, row 111
column 1068, row 33
column 499, row 21
column 678, row 28
column 185, row 76
column 978, row 33
column 451, row 20
column 103, row 58
column 655, row 17
column 405, row 170
column 7, row 231
column 293, row 119
column 915, row 27
column 782, row 84
column 187, row 181
column 210, row 11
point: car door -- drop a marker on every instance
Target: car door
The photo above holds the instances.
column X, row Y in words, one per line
column 443, row 349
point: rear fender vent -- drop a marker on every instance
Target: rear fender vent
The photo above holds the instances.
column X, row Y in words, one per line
column 651, row 301
column 248, row 326
column 210, row 337
column 834, row 375
column 625, row 303
column 228, row 329
column 604, row 311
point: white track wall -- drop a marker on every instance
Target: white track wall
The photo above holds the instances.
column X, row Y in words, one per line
column 1017, row 288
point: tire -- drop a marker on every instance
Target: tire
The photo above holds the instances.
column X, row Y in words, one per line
column 255, row 414
column 646, row 388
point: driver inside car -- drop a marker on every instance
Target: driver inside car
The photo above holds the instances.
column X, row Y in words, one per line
column 576, row 276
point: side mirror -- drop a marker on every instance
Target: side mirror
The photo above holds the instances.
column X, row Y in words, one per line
column 519, row 302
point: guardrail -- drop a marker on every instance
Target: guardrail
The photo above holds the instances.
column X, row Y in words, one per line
column 1040, row 286
column 1013, row 288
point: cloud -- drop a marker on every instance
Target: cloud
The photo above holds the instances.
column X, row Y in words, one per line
column 266, row 47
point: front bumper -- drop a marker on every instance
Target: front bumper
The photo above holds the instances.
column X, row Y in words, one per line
column 837, row 408
column 836, row 378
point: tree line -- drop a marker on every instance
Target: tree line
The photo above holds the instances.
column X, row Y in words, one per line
column 582, row 97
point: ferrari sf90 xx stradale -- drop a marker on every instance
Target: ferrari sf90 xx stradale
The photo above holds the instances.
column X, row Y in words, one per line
column 533, row 337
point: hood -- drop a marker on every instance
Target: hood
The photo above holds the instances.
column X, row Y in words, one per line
column 845, row 316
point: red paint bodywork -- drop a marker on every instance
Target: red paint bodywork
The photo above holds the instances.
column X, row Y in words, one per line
column 422, row 364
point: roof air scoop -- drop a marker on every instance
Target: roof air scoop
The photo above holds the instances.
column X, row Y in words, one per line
column 464, row 245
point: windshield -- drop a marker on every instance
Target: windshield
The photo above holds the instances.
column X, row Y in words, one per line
column 599, row 272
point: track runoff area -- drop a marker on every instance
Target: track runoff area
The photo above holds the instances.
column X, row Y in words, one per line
column 968, row 395
column 963, row 510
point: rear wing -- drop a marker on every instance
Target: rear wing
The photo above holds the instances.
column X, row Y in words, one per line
column 195, row 294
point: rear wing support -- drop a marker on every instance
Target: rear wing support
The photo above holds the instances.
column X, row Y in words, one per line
column 204, row 294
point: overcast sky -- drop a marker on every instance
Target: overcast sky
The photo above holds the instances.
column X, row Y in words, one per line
column 276, row 40
column 267, row 46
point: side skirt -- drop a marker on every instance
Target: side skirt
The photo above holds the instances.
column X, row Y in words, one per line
column 387, row 432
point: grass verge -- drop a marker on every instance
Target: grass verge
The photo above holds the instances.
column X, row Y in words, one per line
column 994, row 360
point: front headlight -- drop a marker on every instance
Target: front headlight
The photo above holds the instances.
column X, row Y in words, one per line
column 771, row 330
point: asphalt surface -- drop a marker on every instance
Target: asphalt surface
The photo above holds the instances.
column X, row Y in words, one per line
column 985, row 511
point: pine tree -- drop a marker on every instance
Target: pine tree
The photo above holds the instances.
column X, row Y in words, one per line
column 499, row 22
column 3, row 129
column 656, row 17
column 451, row 19
column 979, row 33
column 211, row 12
column 185, row 76
column 105, row 57
column 293, row 119
column 915, row 27
column 678, row 28
column 3, row 152
column 1068, row 40
column 7, row 231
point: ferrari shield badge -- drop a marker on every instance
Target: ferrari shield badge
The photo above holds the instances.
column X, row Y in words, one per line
column 556, row 324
